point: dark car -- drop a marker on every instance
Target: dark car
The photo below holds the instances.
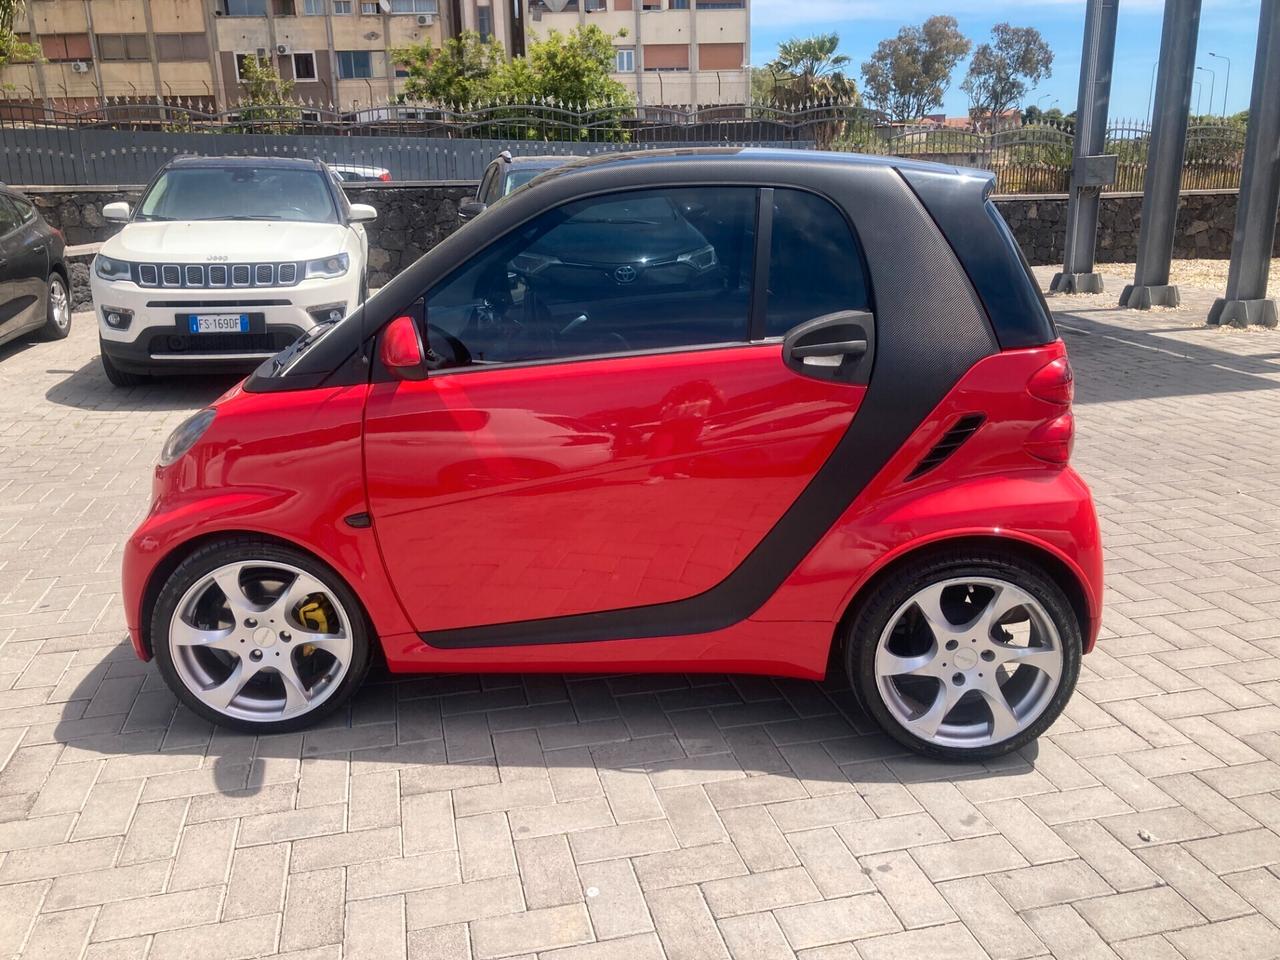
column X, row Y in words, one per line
column 502, row 176
column 34, row 281
column 840, row 442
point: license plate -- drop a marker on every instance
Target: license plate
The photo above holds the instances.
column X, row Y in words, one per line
column 218, row 323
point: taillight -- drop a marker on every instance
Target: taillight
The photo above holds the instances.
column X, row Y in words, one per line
column 1053, row 382
column 1052, row 440
column 385, row 176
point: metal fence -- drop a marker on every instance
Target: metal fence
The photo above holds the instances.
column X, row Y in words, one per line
column 125, row 142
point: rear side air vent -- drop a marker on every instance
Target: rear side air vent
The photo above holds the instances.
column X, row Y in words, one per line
column 960, row 431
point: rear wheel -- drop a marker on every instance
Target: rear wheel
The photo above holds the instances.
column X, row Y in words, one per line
column 258, row 636
column 118, row 377
column 57, row 322
column 968, row 656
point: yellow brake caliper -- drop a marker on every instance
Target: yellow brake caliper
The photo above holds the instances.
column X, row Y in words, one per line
column 313, row 616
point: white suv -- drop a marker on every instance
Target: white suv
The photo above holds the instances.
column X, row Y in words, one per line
column 225, row 262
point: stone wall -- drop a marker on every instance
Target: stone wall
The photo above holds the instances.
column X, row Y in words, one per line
column 1206, row 219
column 414, row 217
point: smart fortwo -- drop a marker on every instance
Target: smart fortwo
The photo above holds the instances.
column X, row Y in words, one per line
column 717, row 410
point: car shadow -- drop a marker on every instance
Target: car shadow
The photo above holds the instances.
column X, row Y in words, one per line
column 1116, row 363
column 444, row 731
column 88, row 389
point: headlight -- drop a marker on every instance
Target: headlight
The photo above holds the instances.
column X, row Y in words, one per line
column 185, row 436
column 327, row 268
column 109, row 269
column 700, row 260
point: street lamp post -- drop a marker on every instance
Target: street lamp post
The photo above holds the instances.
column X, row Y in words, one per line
column 1226, row 83
column 1213, row 82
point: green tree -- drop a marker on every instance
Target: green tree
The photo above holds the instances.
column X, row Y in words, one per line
column 810, row 69
column 13, row 49
column 265, row 98
column 908, row 75
column 461, row 73
column 1002, row 71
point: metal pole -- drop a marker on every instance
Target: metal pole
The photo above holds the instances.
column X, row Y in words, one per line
column 1199, row 90
column 1213, row 82
column 1087, row 174
column 1246, row 301
column 1226, row 83
column 1151, row 88
column 1151, row 285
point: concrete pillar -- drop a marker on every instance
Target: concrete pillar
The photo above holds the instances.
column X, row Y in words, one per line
column 1094, row 97
column 1163, row 181
column 1246, row 301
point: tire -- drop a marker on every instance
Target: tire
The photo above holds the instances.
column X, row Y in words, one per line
column 118, row 377
column 57, row 323
column 188, row 603
column 910, row 681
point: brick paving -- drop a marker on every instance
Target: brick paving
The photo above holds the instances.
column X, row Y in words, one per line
column 649, row 817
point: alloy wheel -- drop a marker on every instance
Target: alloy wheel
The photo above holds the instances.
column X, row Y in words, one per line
column 59, row 305
column 969, row 662
column 261, row 640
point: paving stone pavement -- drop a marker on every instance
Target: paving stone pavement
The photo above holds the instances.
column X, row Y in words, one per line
column 585, row 818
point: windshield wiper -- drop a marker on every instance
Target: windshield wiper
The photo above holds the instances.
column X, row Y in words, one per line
column 256, row 216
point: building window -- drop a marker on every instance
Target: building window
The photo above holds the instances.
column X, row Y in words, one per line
column 651, row 5
column 624, row 60
column 123, row 46
column 595, row 6
column 241, row 60
column 666, row 56
column 721, row 4
column 341, row 6
column 65, row 47
column 313, row 8
column 484, row 22
column 177, row 47
column 244, row 8
column 355, row 64
column 415, row 6
column 304, row 66
column 369, row 9
column 678, row 5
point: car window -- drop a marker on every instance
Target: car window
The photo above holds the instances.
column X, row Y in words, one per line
column 9, row 218
column 518, row 178
column 643, row 270
column 239, row 192
column 815, row 263
column 25, row 210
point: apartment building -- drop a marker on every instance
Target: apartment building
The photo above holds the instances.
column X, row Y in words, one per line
column 674, row 53
column 336, row 51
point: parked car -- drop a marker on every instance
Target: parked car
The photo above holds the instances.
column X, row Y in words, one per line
column 503, row 174
column 844, row 439
column 350, row 174
column 34, row 281
column 225, row 261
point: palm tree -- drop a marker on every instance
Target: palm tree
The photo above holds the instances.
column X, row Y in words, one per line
column 811, row 69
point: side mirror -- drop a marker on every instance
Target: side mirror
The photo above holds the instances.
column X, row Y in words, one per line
column 362, row 213
column 117, row 212
column 400, row 350
column 470, row 209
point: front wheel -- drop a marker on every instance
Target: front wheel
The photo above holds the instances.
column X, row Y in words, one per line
column 117, row 377
column 258, row 636
column 967, row 656
column 57, row 322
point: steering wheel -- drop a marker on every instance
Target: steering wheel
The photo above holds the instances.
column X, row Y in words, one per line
column 461, row 355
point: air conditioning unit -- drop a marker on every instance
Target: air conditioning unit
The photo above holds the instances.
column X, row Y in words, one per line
column 283, row 49
column 79, row 67
column 426, row 19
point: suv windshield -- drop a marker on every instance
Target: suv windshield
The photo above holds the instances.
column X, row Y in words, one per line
column 239, row 193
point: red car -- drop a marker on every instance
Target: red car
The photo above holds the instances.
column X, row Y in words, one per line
column 728, row 410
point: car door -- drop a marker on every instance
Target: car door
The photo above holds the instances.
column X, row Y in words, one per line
column 614, row 428
column 23, row 267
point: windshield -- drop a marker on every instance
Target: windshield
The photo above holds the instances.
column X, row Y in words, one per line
column 239, row 193
column 518, row 178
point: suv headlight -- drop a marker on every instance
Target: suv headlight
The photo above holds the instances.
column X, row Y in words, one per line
column 327, row 267
column 701, row 260
column 109, row 269
column 185, row 436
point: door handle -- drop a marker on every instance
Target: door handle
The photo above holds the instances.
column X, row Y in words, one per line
column 838, row 348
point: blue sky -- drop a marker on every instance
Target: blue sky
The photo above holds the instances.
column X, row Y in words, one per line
column 1227, row 27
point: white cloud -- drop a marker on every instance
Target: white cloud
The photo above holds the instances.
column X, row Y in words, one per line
column 783, row 13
